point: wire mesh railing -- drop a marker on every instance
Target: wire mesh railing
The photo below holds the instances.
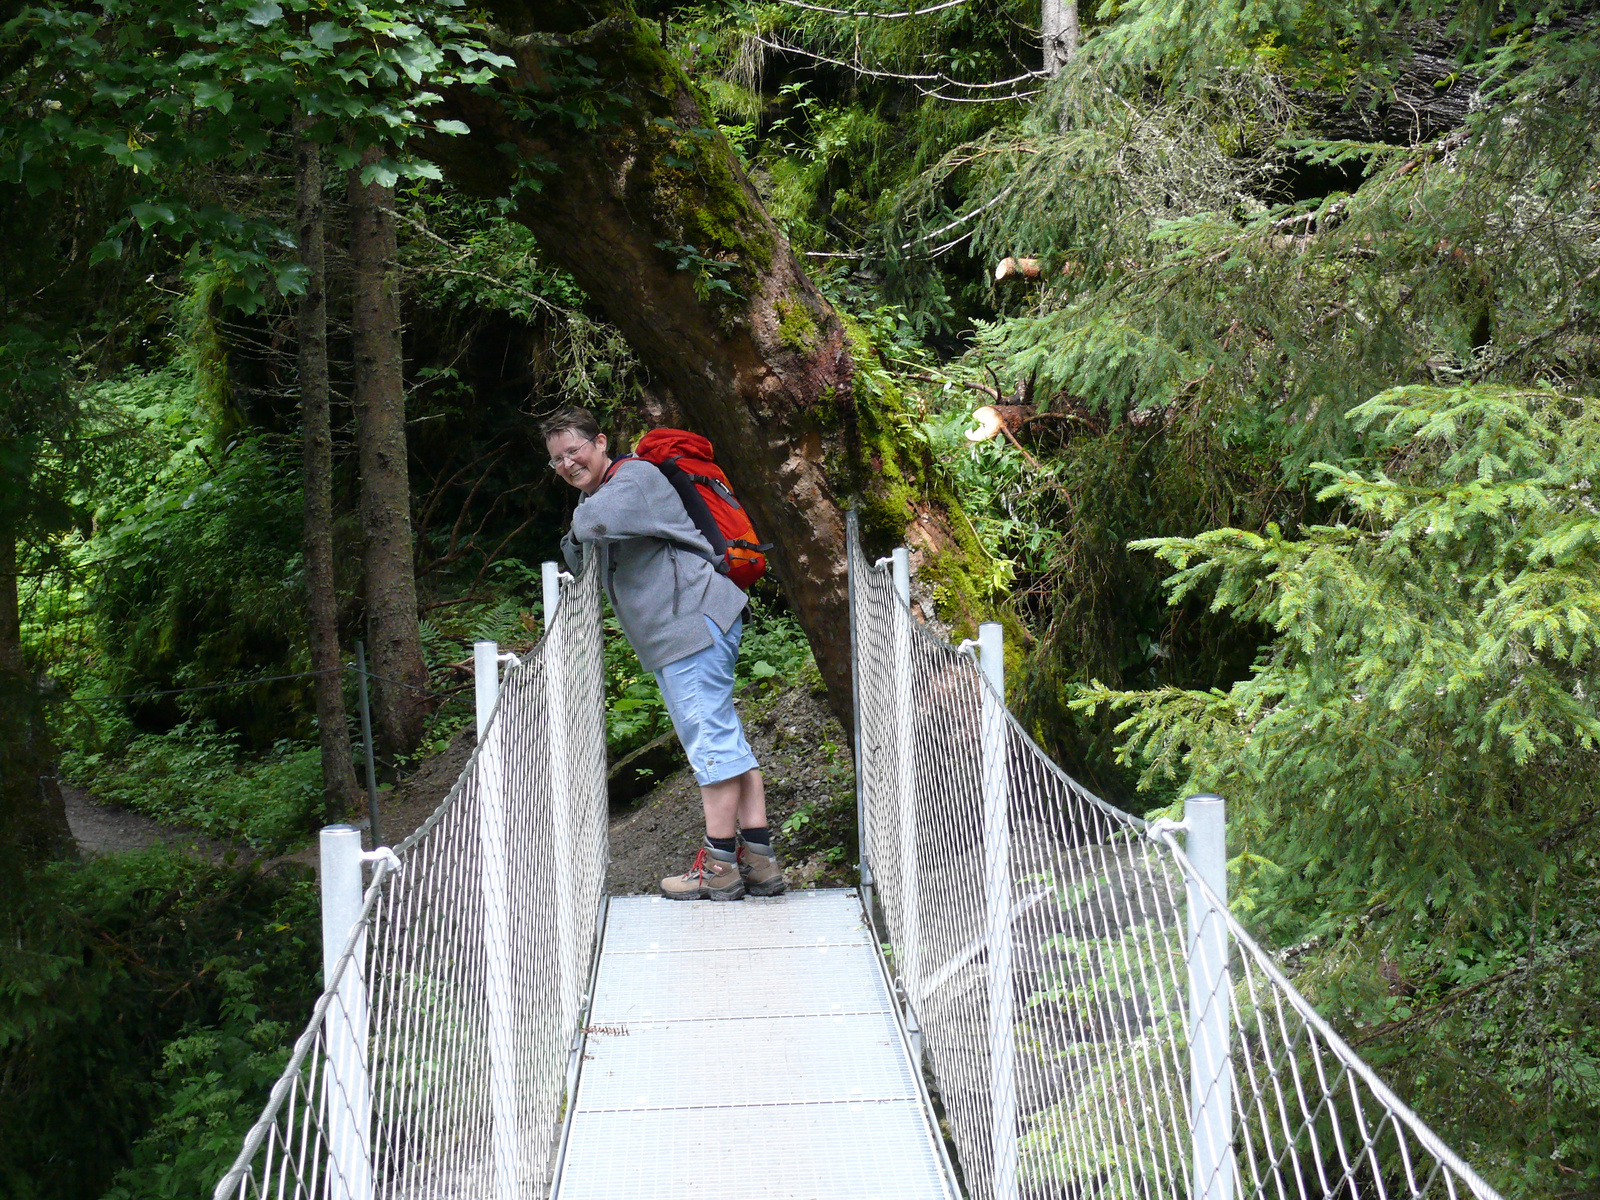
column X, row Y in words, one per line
column 1096, row 1022
column 437, row 1060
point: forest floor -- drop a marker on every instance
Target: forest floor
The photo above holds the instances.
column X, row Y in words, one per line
column 800, row 744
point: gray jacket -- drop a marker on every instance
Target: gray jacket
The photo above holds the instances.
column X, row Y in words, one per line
column 655, row 566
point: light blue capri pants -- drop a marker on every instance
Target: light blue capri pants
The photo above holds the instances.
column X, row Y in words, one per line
column 699, row 695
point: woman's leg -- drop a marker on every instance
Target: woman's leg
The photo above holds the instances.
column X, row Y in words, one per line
column 722, row 803
column 698, row 691
column 752, row 800
column 742, row 798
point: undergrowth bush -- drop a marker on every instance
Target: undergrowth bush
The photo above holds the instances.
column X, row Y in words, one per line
column 823, row 823
column 196, row 775
column 146, row 1003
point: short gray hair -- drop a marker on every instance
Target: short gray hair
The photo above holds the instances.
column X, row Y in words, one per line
column 570, row 419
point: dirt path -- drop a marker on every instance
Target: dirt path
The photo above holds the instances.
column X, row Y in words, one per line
column 796, row 739
column 107, row 829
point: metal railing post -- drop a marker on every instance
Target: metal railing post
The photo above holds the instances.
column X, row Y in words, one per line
column 506, row 1134
column 1210, row 999
column 910, row 959
column 555, row 674
column 347, row 1083
column 997, row 897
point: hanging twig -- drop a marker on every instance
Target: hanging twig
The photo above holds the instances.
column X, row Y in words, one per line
column 459, row 252
column 857, row 12
column 938, row 78
column 980, row 99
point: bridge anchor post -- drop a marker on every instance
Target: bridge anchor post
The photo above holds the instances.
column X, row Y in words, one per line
column 505, row 1130
column 997, row 903
column 1210, row 1002
column 347, row 1082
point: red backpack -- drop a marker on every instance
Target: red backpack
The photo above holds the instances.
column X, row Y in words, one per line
column 685, row 459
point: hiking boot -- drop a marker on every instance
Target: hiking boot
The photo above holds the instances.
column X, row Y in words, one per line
column 762, row 874
column 709, row 877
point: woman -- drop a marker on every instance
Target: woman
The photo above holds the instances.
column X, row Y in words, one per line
column 683, row 619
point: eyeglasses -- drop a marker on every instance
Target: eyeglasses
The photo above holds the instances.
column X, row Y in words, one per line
column 568, row 455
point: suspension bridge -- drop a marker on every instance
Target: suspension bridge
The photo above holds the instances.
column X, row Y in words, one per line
column 1031, row 995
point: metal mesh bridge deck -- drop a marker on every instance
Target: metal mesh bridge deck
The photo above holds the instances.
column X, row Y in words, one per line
column 754, row 1040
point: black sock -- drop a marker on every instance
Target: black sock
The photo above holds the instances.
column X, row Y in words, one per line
column 758, row 836
column 725, row 844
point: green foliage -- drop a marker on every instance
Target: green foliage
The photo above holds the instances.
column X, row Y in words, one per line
column 1329, row 42
column 1409, row 765
column 156, row 90
column 144, row 1001
column 835, row 115
column 472, row 261
column 708, row 272
column 1198, row 341
column 635, row 711
column 773, row 651
column 193, row 576
column 207, row 1092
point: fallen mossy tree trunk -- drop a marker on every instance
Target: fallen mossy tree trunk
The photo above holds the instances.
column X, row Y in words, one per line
column 608, row 153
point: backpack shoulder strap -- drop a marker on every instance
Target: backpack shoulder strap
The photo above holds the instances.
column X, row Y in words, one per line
column 695, row 505
column 615, row 463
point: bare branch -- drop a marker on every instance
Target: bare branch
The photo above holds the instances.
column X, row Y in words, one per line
column 877, row 16
column 869, row 72
column 939, row 79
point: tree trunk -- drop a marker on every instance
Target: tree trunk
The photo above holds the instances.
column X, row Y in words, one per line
column 10, row 608
column 648, row 207
column 322, row 600
column 33, row 820
column 379, row 401
column 1058, row 27
column 1428, row 97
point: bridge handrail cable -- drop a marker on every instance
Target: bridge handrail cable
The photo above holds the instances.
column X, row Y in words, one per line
column 437, row 1058
column 1097, row 1021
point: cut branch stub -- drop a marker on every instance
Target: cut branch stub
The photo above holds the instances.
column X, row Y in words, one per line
column 1016, row 268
